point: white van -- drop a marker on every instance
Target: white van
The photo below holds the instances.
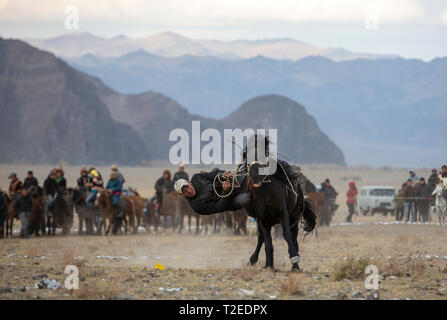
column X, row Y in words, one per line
column 374, row 199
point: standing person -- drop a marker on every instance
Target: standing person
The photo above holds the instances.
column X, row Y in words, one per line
column 413, row 177
column 432, row 179
column 3, row 212
column 60, row 179
column 351, row 200
column 23, row 205
column 399, row 201
column 180, row 174
column 15, row 185
column 409, row 201
column 114, row 168
column 329, row 196
column 424, row 192
column 30, row 181
column 163, row 183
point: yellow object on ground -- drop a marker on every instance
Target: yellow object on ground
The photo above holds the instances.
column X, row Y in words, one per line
column 159, row 266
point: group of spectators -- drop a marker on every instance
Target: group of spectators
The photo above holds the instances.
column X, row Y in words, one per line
column 417, row 195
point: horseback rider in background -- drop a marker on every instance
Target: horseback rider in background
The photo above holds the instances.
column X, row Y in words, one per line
column 114, row 187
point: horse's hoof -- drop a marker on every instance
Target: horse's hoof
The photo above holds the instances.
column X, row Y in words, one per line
column 296, row 267
column 268, row 268
column 253, row 260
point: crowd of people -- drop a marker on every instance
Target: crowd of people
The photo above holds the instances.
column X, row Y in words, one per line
column 414, row 199
column 416, row 196
column 90, row 180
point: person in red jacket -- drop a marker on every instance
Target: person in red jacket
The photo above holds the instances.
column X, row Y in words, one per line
column 351, row 200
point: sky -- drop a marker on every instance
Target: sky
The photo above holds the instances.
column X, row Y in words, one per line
column 410, row 28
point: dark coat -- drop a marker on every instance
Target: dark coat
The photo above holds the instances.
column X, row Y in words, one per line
column 425, row 191
column 116, row 185
column 161, row 184
column 3, row 206
column 30, row 183
column 82, row 181
column 180, row 175
column 432, row 180
column 206, row 200
column 23, row 204
column 50, row 186
column 62, row 183
column 409, row 192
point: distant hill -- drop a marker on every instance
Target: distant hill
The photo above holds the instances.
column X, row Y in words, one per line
column 51, row 113
column 169, row 44
column 383, row 111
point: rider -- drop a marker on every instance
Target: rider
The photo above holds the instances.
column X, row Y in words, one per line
column 60, row 180
column 84, row 181
column 163, row 183
column 50, row 189
column 202, row 197
column 15, row 185
column 96, row 184
column 180, row 174
column 23, row 205
column 114, row 187
column 114, row 168
column 30, row 181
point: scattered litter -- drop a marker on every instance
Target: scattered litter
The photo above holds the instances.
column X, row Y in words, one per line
column 11, row 255
column 357, row 294
column 5, row 290
column 159, row 266
column 39, row 276
column 48, row 284
column 170, row 289
column 115, row 258
column 247, row 292
column 373, row 296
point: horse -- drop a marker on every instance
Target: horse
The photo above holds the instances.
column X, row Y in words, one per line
column 316, row 200
column 11, row 216
column 185, row 209
column 275, row 199
column 86, row 215
column 139, row 203
column 151, row 217
column 109, row 212
column 36, row 220
column 169, row 209
column 240, row 221
column 60, row 216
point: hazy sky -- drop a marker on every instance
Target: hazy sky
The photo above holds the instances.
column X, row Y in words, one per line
column 411, row 28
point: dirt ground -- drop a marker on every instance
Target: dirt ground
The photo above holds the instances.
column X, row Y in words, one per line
column 411, row 259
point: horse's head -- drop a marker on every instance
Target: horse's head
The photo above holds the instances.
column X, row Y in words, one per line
column 77, row 196
column 255, row 174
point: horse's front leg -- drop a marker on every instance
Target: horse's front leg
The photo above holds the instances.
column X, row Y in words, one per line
column 255, row 256
column 291, row 243
column 268, row 245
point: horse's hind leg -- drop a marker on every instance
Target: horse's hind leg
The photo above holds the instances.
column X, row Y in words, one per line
column 255, row 256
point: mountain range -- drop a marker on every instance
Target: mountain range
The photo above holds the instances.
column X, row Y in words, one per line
column 382, row 111
column 52, row 112
column 169, row 44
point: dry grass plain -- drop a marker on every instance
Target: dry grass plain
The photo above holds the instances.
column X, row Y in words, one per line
column 412, row 259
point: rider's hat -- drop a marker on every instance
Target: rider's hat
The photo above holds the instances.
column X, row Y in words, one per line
column 179, row 184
